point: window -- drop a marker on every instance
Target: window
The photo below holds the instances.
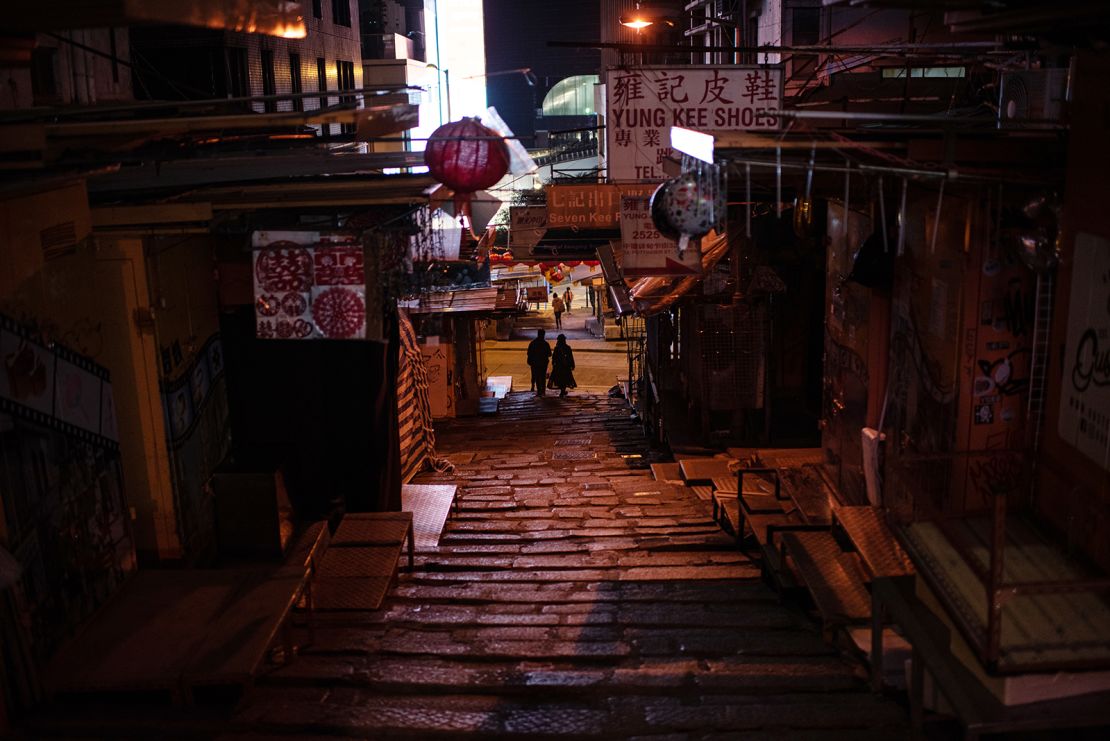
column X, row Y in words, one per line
column 44, row 80
column 900, row 72
column 805, row 31
column 114, row 54
column 268, row 85
column 295, row 81
column 341, row 12
column 572, row 96
column 322, row 86
column 238, row 77
column 346, row 81
column 322, row 80
column 317, row 11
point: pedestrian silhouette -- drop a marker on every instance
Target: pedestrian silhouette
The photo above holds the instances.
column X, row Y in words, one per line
column 562, row 366
column 557, row 306
column 538, row 353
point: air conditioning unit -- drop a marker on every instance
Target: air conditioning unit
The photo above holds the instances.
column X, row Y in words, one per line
column 1032, row 98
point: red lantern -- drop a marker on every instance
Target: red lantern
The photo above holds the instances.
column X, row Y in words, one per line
column 466, row 156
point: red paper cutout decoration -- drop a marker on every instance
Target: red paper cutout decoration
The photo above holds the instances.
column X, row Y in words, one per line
column 466, row 156
column 339, row 313
column 284, row 269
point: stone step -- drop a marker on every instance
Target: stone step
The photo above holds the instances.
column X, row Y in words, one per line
column 425, row 615
column 588, row 643
column 630, row 573
column 730, row 592
column 447, row 561
column 568, row 679
column 493, row 716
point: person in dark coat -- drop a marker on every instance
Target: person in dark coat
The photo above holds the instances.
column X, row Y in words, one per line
column 562, row 365
column 538, row 353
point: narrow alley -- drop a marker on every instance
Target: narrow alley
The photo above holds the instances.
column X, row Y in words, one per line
column 572, row 595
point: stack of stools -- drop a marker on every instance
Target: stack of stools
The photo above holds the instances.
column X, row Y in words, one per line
column 360, row 565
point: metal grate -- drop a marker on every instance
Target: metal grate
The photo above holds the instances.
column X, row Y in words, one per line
column 348, row 593
column 430, row 505
column 363, row 561
column 731, row 342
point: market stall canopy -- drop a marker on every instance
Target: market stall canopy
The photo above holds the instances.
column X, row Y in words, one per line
column 653, row 295
column 50, row 137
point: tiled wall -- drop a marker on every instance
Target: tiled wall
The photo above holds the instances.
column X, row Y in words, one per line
column 325, row 39
column 81, row 76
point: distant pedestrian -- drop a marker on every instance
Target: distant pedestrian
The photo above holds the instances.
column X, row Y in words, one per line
column 558, row 307
column 567, row 298
column 538, row 353
column 562, row 366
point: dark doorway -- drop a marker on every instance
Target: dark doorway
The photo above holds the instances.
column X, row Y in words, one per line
column 322, row 411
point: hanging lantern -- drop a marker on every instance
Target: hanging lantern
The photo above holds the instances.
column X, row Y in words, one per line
column 659, row 217
column 694, row 203
column 1033, row 235
column 466, row 157
column 803, row 217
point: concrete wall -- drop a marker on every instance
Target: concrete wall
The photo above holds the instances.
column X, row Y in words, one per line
column 1074, row 491
column 194, row 394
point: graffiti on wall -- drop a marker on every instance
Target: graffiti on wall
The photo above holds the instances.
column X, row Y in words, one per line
column 198, row 432
column 1085, row 398
column 997, row 475
column 62, row 495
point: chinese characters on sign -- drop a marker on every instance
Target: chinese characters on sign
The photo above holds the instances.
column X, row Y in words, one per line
column 644, row 251
column 594, row 206
column 1085, row 397
column 644, row 102
column 309, row 285
column 527, row 225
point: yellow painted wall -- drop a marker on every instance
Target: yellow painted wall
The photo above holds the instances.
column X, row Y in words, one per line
column 87, row 297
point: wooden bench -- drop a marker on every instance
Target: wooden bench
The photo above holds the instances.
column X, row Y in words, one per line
column 360, row 529
column 666, row 472
column 833, row 577
column 189, row 635
column 977, row 709
column 361, row 565
column 430, row 504
column 702, row 470
column 867, row 533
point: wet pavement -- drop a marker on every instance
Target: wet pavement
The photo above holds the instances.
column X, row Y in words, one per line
column 599, row 363
column 572, row 596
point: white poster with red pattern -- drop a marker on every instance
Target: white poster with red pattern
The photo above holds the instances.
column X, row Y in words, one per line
column 309, row 285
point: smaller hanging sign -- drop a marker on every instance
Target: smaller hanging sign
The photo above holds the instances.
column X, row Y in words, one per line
column 644, row 251
column 527, row 225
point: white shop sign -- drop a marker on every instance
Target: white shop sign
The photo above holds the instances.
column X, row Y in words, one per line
column 645, row 252
column 1085, row 396
column 643, row 103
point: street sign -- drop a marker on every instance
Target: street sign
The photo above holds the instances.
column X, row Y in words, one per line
column 643, row 103
column 590, row 206
column 527, row 225
column 644, row 251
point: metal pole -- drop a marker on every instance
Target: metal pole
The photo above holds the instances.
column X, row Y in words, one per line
column 447, row 82
column 962, row 47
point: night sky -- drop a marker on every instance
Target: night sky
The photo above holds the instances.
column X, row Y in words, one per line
column 516, row 36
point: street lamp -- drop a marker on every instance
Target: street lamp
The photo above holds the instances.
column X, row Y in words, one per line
column 447, row 85
column 641, row 18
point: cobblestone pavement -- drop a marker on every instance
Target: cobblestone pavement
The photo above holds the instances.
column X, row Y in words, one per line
column 572, row 596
